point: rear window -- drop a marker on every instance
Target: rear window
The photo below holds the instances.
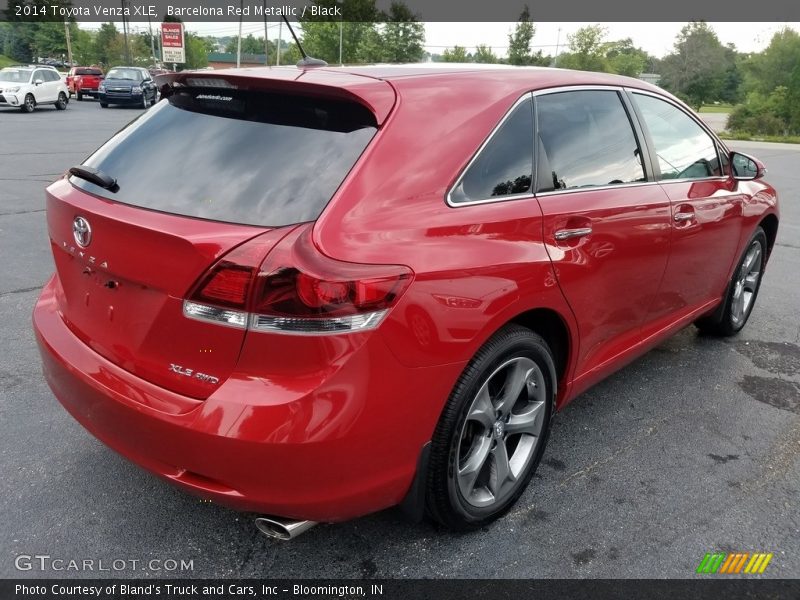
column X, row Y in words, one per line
column 88, row 72
column 240, row 157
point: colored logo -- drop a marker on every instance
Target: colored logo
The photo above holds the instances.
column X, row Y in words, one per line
column 734, row 563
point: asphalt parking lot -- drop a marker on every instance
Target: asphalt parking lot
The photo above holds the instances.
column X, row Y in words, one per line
column 693, row 448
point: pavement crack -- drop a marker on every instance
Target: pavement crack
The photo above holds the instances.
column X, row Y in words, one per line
column 22, row 212
column 20, row 290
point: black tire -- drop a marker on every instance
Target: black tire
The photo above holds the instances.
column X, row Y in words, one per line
column 80, row 97
column 103, row 105
column 61, row 103
column 729, row 319
column 445, row 501
column 145, row 103
column 29, row 104
column 155, row 97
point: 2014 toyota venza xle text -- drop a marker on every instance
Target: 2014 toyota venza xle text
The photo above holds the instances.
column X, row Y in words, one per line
column 318, row 293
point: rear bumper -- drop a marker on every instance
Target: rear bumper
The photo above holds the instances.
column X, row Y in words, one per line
column 326, row 451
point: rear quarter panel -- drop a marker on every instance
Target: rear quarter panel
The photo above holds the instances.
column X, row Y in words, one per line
column 476, row 267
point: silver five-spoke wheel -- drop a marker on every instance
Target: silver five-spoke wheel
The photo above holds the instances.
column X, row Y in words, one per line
column 746, row 284
column 501, row 432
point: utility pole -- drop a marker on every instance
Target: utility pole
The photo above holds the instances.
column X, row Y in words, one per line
column 266, row 39
column 280, row 45
column 152, row 41
column 125, row 30
column 69, row 43
column 239, row 40
column 558, row 39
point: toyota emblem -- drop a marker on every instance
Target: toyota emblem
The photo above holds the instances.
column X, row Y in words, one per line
column 82, row 232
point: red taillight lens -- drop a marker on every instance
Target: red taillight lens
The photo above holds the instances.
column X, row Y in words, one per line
column 296, row 290
column 227, row 284
column 296, row 280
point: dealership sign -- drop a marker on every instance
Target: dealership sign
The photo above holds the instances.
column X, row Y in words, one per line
column 172, row 48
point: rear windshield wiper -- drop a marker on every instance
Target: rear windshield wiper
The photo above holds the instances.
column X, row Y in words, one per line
column 95, row 176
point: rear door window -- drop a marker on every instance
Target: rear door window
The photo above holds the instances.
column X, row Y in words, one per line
column 587, row 140
column 504, row 166
column 241, row 157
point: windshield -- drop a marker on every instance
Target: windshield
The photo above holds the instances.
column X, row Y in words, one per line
column 132, row 74
column 241, row 157
column 88, row 72
column 16, row 75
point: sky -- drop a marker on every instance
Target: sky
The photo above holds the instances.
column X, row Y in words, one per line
column 655, row 38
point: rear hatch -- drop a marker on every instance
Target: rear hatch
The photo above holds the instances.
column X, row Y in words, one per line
column 211, row 172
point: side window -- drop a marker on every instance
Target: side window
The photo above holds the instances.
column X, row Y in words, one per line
column 504, row 166
column 683, row 148
column 39, row 75
column 587, row 140
column 52, row 76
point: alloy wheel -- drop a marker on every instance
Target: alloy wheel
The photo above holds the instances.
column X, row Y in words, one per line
column 501, row 433
column 746, row 283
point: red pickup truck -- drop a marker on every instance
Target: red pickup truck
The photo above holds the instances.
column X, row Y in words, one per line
column 84, row 81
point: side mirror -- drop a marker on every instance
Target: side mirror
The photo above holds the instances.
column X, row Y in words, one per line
column 38, row 81
column 746, row 167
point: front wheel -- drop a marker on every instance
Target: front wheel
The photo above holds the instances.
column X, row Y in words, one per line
column 103, row 105
column 61, row 103
column 493, row 431
column 80, row 97
column 29, row 104
column 742, row 290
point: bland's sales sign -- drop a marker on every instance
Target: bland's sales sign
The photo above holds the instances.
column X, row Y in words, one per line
column 172, row 48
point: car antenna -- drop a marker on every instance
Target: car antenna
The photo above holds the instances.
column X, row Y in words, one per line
column 306, row 61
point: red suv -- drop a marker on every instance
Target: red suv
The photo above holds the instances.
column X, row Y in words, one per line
column 319, row 294
column 84, row 81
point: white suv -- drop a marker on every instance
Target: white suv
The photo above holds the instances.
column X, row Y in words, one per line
column 27, row 87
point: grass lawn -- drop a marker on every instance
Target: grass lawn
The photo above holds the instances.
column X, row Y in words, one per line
column 716, row 108
column 7, row 62
column 752, row 137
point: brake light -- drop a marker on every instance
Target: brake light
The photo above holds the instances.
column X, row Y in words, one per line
column 296, row 290
column 222, row 295
column 227, row 284
column 299, row 290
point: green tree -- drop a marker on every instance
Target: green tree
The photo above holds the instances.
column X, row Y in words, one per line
column 626, row 59
column 456, row 54
column 250, row 45
column 108, row 45
column 402, row 36
column 587, row 50
column 696, row 68
column 519, row 43
column 774, row 66
column 322, row 35
column 484, row 54
column 196, row 52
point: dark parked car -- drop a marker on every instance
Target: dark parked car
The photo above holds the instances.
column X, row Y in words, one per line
column 319, row 294
column 128, row 85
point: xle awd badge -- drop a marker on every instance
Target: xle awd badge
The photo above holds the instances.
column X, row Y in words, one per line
column 205, row 378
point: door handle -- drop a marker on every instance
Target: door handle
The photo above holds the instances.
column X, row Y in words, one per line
column 568, row 234
column 683, row 216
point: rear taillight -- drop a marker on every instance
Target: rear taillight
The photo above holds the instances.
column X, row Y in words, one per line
column 222, row 295
column 298, row 290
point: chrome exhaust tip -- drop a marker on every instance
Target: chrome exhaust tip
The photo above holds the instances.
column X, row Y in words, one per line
column 282, row 529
